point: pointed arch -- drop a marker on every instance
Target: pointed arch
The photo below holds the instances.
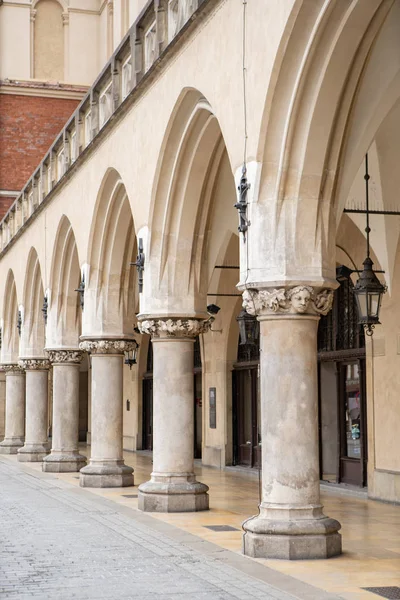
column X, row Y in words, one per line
column 64, row 312
column 33, row 330
column 112, row 245
column 184, row 190
column 317, row 74
column 10, row 337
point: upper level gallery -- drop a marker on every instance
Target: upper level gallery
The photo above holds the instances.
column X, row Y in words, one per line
column 152, row 33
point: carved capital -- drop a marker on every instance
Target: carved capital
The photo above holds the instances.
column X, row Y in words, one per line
column 174, row 327
column 65, row 18
column 301, row 299
column 33, row 15
column 11, row 369
column 34, row 364
column 65, row 356
column 107, row 346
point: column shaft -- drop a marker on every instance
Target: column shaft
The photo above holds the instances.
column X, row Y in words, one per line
column 15, row 411
column 64, row 455
column 36, row 439
column 173, row 486
column 106, row 467
column 291, row 523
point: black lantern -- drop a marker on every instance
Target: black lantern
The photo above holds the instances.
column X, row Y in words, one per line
column 368, row 289
column 131, row 355
column 81, row 291
column 249, row 328
column 368, row 292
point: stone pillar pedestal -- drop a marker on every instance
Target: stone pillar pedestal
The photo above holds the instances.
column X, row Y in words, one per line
column 36, row 441
column 15, row 409
column 173, row 486
column 106, row 467
column 64, row 456
column 291, row 524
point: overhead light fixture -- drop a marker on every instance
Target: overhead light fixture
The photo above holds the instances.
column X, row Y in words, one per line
column 368, row 290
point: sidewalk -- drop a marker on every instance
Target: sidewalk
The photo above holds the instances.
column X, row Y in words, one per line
column 371, row 532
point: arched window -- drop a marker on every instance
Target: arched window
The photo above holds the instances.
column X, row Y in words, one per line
column 48, row 41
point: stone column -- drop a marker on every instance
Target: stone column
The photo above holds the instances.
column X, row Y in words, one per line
column 64, row 456
column 36, row 440
column 106, row 467
column 15, row 409
column 173, row 486
column 291, row 524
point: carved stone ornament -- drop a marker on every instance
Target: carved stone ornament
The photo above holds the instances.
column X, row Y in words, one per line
column 301, row 299
column 34, row 364
column 65, row 356
column 174, row 327
column 107, row 346
column 11, row 368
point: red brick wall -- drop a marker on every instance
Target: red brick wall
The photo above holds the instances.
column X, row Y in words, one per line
column 28, row 126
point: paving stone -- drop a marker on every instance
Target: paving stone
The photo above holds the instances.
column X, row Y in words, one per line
column 56, row 544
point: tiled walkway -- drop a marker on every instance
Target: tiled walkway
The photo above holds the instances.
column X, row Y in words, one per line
column 371, row 530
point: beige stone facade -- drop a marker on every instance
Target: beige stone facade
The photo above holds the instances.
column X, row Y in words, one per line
column 147, row 170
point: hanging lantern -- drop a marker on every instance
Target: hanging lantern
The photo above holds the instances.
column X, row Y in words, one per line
column 368, row 289
column 249, row 328
column 368, row 292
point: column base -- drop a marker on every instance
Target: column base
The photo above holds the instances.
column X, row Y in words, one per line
column 33, row 452
column 107, row 475
column 292, row 539
column 169, row 494
column 11, row 445
column 63, row 462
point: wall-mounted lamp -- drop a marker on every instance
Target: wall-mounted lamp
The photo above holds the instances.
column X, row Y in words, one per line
column 131, row 355
column 81, row 291
column 44, row 309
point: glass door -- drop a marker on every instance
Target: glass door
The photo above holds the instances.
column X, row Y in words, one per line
column 352, row 414
column 247, row 437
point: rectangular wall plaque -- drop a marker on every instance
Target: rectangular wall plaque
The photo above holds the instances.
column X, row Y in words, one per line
column 212, row 394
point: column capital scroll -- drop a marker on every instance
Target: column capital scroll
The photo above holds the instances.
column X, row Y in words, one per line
column 173, row 327
column 106, row 346
column 300, row 299
column 34, row 364
column 63, row 355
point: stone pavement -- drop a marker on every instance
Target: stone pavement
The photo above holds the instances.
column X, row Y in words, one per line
column 59, row 541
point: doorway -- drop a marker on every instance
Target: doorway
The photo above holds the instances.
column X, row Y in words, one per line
column 246, row 407
column 342, row 392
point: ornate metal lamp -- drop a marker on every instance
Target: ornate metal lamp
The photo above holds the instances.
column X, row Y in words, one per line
column 368, row 290
column 131, row 355
column 249, row 328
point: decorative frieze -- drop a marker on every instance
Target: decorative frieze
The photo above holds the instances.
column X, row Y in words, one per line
column 175, row 327
column 11, row 369
column 34, row 364
column 65, row 356
column 107, row 346
column 301, row 299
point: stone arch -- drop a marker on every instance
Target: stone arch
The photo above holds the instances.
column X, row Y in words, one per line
column 10, row 337
column 192, row 157
column 48, row 32
column 318, row 69
column 33, row 329
column 110, row 291
column 64, row 311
